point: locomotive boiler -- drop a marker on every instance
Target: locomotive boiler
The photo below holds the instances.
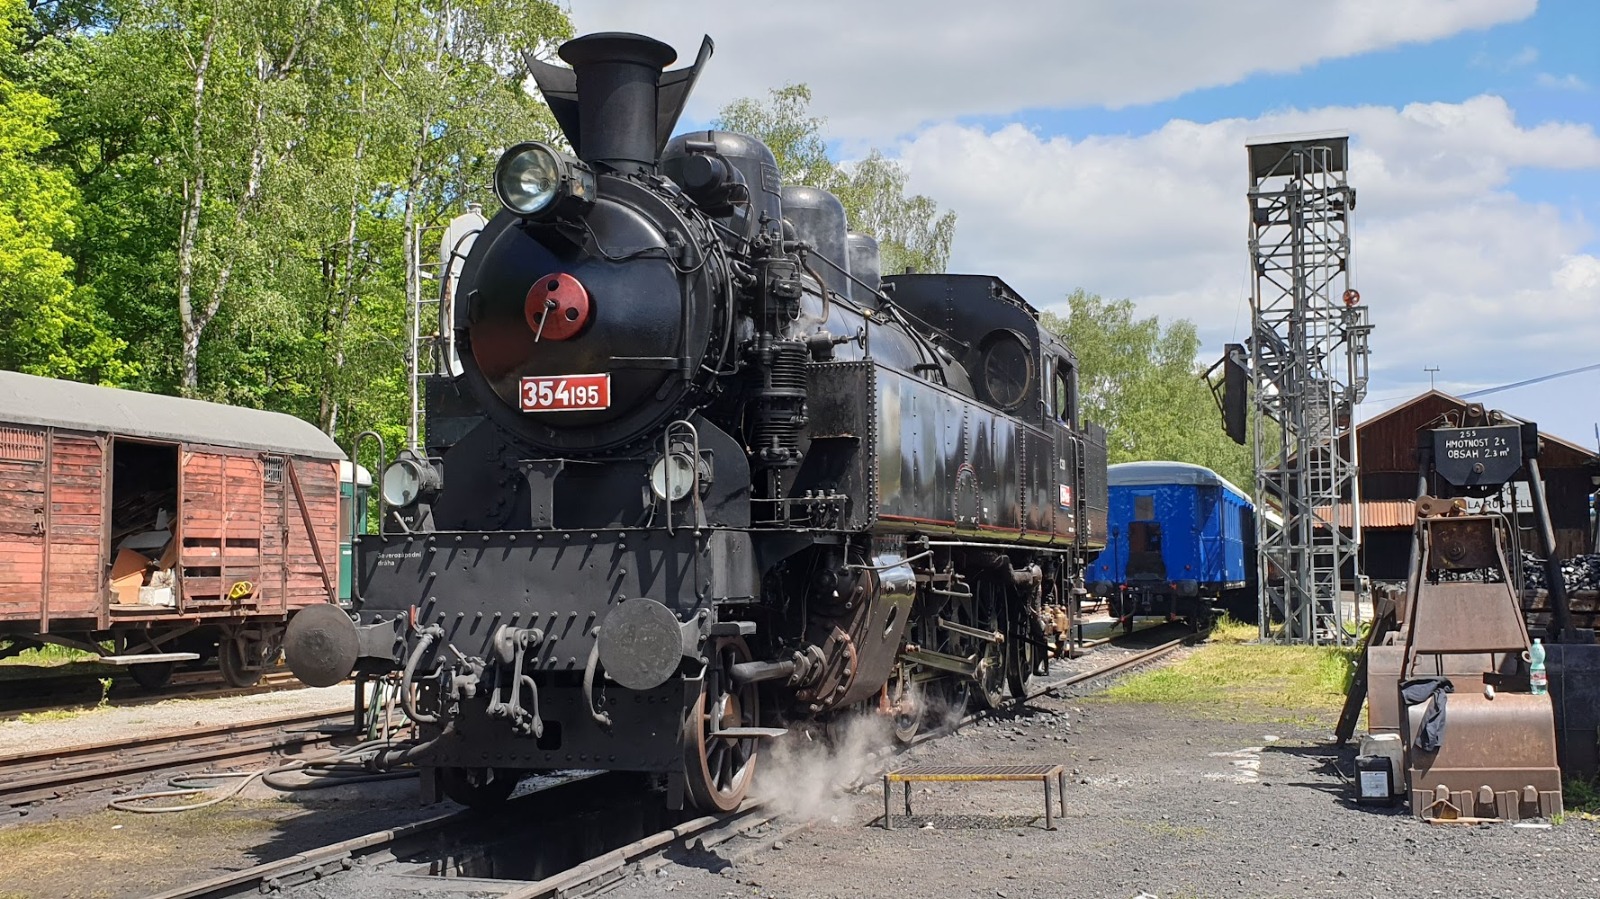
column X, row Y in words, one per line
column 701, row 474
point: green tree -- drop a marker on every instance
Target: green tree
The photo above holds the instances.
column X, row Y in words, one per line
column 912, row 233
column 51, row 326
column 1139, row 379
column 260, row 177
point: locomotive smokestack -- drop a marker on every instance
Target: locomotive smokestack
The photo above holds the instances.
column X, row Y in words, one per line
column 616, row 105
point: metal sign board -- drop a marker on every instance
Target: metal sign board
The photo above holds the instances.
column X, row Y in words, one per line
column 1470, row 457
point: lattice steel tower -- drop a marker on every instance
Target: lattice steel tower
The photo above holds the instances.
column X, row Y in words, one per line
column 1308, row 364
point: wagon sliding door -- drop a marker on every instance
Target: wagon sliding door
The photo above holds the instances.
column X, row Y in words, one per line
column 220, row 530
column 22, row 524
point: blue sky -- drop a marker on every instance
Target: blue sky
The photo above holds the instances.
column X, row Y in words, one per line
column 1100, row 144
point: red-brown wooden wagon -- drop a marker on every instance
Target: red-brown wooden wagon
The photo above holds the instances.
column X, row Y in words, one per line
column 166, row 527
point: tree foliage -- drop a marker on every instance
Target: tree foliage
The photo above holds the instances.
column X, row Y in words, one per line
column 232, row 199
column 1138, row 378
column 52, row 326
column 912, row 233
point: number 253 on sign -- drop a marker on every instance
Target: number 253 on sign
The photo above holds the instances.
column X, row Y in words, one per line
column 566, row 393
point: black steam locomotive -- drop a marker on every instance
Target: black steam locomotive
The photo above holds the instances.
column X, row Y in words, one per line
column 704, row 473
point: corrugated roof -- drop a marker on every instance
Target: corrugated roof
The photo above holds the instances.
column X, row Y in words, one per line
column 46, row 402
column 1135, row 474
column 1383, row 513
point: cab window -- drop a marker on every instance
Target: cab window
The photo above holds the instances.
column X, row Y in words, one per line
column 1063, row 390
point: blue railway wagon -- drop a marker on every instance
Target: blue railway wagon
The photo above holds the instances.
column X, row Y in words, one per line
column 1181, row 543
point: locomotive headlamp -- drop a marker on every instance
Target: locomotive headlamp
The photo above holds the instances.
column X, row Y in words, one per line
column 535, row 181
column 672, row 476
column 408, row 479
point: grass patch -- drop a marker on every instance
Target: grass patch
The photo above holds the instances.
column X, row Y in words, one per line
column 1230, row 675
column 48, row 656
column 107, row 852
column 1168, row 829
column 50, row 715
column 1580, row 800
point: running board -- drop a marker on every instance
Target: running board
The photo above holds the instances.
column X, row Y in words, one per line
column 150, row 658
column 746, row 733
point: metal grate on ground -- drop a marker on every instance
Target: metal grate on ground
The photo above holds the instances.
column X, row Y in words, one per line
column 1052, row 776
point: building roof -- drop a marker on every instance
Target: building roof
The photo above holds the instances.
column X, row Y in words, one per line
column 1140, row 474
column 45, row 402
column 1459, row 403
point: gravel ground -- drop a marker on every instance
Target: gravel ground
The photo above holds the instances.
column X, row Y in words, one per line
column 1162, row 802
column 62, row 730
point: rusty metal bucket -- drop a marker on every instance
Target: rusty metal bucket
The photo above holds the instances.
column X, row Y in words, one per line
column 1497, row 759
column 1497, row 755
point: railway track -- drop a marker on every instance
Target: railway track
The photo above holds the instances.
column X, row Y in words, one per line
column 31, row 777
column 31, row 695
column 549, row 849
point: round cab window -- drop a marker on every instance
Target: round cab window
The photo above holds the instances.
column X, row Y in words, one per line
column 1007, row 369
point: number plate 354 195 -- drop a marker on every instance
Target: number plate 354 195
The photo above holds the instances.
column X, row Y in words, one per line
column 566, row 393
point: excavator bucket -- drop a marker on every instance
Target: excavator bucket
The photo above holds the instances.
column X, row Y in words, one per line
column 1464, row 644
column 1497, row 760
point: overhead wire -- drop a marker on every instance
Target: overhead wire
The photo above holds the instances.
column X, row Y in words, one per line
column 1526, row 382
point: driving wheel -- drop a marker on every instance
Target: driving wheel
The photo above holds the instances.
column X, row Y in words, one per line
column 718, row 769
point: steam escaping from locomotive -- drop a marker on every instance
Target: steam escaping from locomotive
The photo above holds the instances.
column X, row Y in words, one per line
column 704, row 473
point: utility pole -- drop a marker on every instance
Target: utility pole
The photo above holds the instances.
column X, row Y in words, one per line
column 1430, row 369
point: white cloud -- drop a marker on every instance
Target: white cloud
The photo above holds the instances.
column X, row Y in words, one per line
column 1567, row 82
column 1455, row 269
column 1527, row 56
column 880, row 69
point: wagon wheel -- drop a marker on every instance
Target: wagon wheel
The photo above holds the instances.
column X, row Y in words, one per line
column 908, row 707
column 236, row 669
column 152, row 675
column 718, row 770
column 479, row 788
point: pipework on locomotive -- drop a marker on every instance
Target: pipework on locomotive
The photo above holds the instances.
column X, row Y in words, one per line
column 703, row 473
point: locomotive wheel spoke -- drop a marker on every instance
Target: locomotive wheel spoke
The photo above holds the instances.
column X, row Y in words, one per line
column 718, row 770
column 908, row 707
column 991, row 675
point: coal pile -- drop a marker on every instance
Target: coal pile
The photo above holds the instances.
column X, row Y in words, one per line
column 1577, row 573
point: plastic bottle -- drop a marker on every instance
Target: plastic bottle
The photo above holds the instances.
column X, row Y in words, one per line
column 1536, row 673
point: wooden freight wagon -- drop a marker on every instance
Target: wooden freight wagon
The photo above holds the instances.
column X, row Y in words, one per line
column 168, row 528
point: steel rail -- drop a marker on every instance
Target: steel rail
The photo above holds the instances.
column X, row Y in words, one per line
column 34, row 776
